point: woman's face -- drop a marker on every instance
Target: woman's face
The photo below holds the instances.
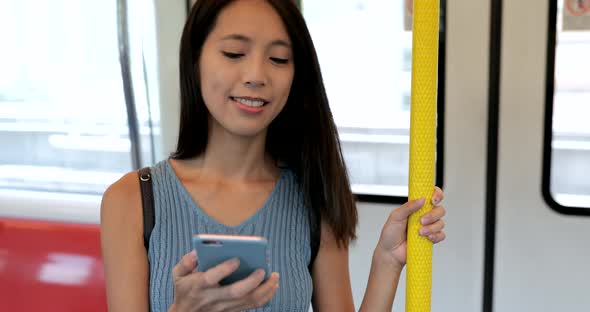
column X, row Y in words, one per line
column 246, row 68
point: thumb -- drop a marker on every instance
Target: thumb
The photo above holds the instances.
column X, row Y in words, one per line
column 402, row 213
column 186, row 265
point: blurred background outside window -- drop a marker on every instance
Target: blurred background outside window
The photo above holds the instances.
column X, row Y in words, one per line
column 570, row 162
column 63, row 118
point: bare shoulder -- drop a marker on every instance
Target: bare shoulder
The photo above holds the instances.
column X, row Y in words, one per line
column 121, row 202
column 127, row 187
column 121, row 217
column 329, row 269
column 328, row 239
column 124, row 255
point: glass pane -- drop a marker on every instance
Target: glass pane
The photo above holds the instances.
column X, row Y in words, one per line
column 365, row 54
column 63, row 122
column 144, row 75
column 570, row 182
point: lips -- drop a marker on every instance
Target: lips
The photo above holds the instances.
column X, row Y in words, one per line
column 250, row 101
column 249, row 105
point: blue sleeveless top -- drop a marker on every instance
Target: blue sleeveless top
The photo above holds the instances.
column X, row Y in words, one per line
column 283, row 220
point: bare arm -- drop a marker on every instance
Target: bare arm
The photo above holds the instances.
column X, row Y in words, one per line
column 390, row 254
column 331, row 278
column 124, row 255
column 382, row 284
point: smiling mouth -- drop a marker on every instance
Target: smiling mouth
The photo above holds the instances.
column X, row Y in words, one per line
column 250, row 102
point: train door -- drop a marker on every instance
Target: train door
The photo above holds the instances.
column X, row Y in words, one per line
column 541, row 225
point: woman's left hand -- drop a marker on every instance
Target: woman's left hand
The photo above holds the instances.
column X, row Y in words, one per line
column 392, row 242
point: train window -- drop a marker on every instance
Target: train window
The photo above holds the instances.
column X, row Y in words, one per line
column 63, row 117
column 364, row 48
column 566, row 184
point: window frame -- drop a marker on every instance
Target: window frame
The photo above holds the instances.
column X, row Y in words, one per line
column 440, row 129
column 136, row 160
column 548, row 127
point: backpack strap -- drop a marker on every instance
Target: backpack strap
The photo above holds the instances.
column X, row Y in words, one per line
column 147, row 203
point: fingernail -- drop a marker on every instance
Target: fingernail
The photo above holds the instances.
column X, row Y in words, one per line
column 424, row 220
column 423, row 231
column 260, row 273
column 435, row 201
column 193, row 255
column 235, row 261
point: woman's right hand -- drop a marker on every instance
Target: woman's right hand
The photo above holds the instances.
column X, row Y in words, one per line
column 200, row 291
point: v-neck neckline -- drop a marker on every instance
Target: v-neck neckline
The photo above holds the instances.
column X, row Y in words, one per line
column 201, row 212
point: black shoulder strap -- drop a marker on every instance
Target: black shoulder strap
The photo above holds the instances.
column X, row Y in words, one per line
column 315, row 235
column 147, row 203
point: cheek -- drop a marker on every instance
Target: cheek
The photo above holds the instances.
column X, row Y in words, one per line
column 285, row 84
column 213, row 77
column 212, row 86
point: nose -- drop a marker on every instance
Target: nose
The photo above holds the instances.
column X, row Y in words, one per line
column 255, row 75
column 254, row 84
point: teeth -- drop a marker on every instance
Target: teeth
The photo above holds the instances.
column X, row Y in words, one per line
column 251, row 103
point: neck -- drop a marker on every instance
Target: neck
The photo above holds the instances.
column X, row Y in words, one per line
column 236, row 157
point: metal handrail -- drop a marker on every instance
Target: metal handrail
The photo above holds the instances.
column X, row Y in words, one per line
column 124, row 59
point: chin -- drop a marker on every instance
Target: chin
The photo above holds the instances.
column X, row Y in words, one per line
column 248, row 132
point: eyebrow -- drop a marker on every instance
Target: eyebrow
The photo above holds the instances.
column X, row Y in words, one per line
column 245, row 39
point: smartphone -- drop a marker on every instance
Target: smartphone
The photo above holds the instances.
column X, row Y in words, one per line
column 213, row 249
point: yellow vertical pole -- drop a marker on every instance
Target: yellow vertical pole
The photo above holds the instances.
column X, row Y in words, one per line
column 422, row 149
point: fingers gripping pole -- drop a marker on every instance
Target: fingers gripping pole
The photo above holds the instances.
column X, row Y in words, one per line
column 422, row 149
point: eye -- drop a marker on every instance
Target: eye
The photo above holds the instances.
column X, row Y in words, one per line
column 232, row 55
column 279, row 60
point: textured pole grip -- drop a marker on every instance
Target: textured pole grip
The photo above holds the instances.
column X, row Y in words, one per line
column 422, row 149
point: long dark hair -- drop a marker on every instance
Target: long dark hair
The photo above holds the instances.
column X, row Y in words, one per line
column 303, row 136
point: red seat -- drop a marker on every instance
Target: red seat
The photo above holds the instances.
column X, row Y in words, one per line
column 50, row 266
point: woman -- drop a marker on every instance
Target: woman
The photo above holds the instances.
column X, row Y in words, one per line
column 257, row 151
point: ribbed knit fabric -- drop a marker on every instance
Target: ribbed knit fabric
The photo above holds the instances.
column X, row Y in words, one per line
column 283, row 221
